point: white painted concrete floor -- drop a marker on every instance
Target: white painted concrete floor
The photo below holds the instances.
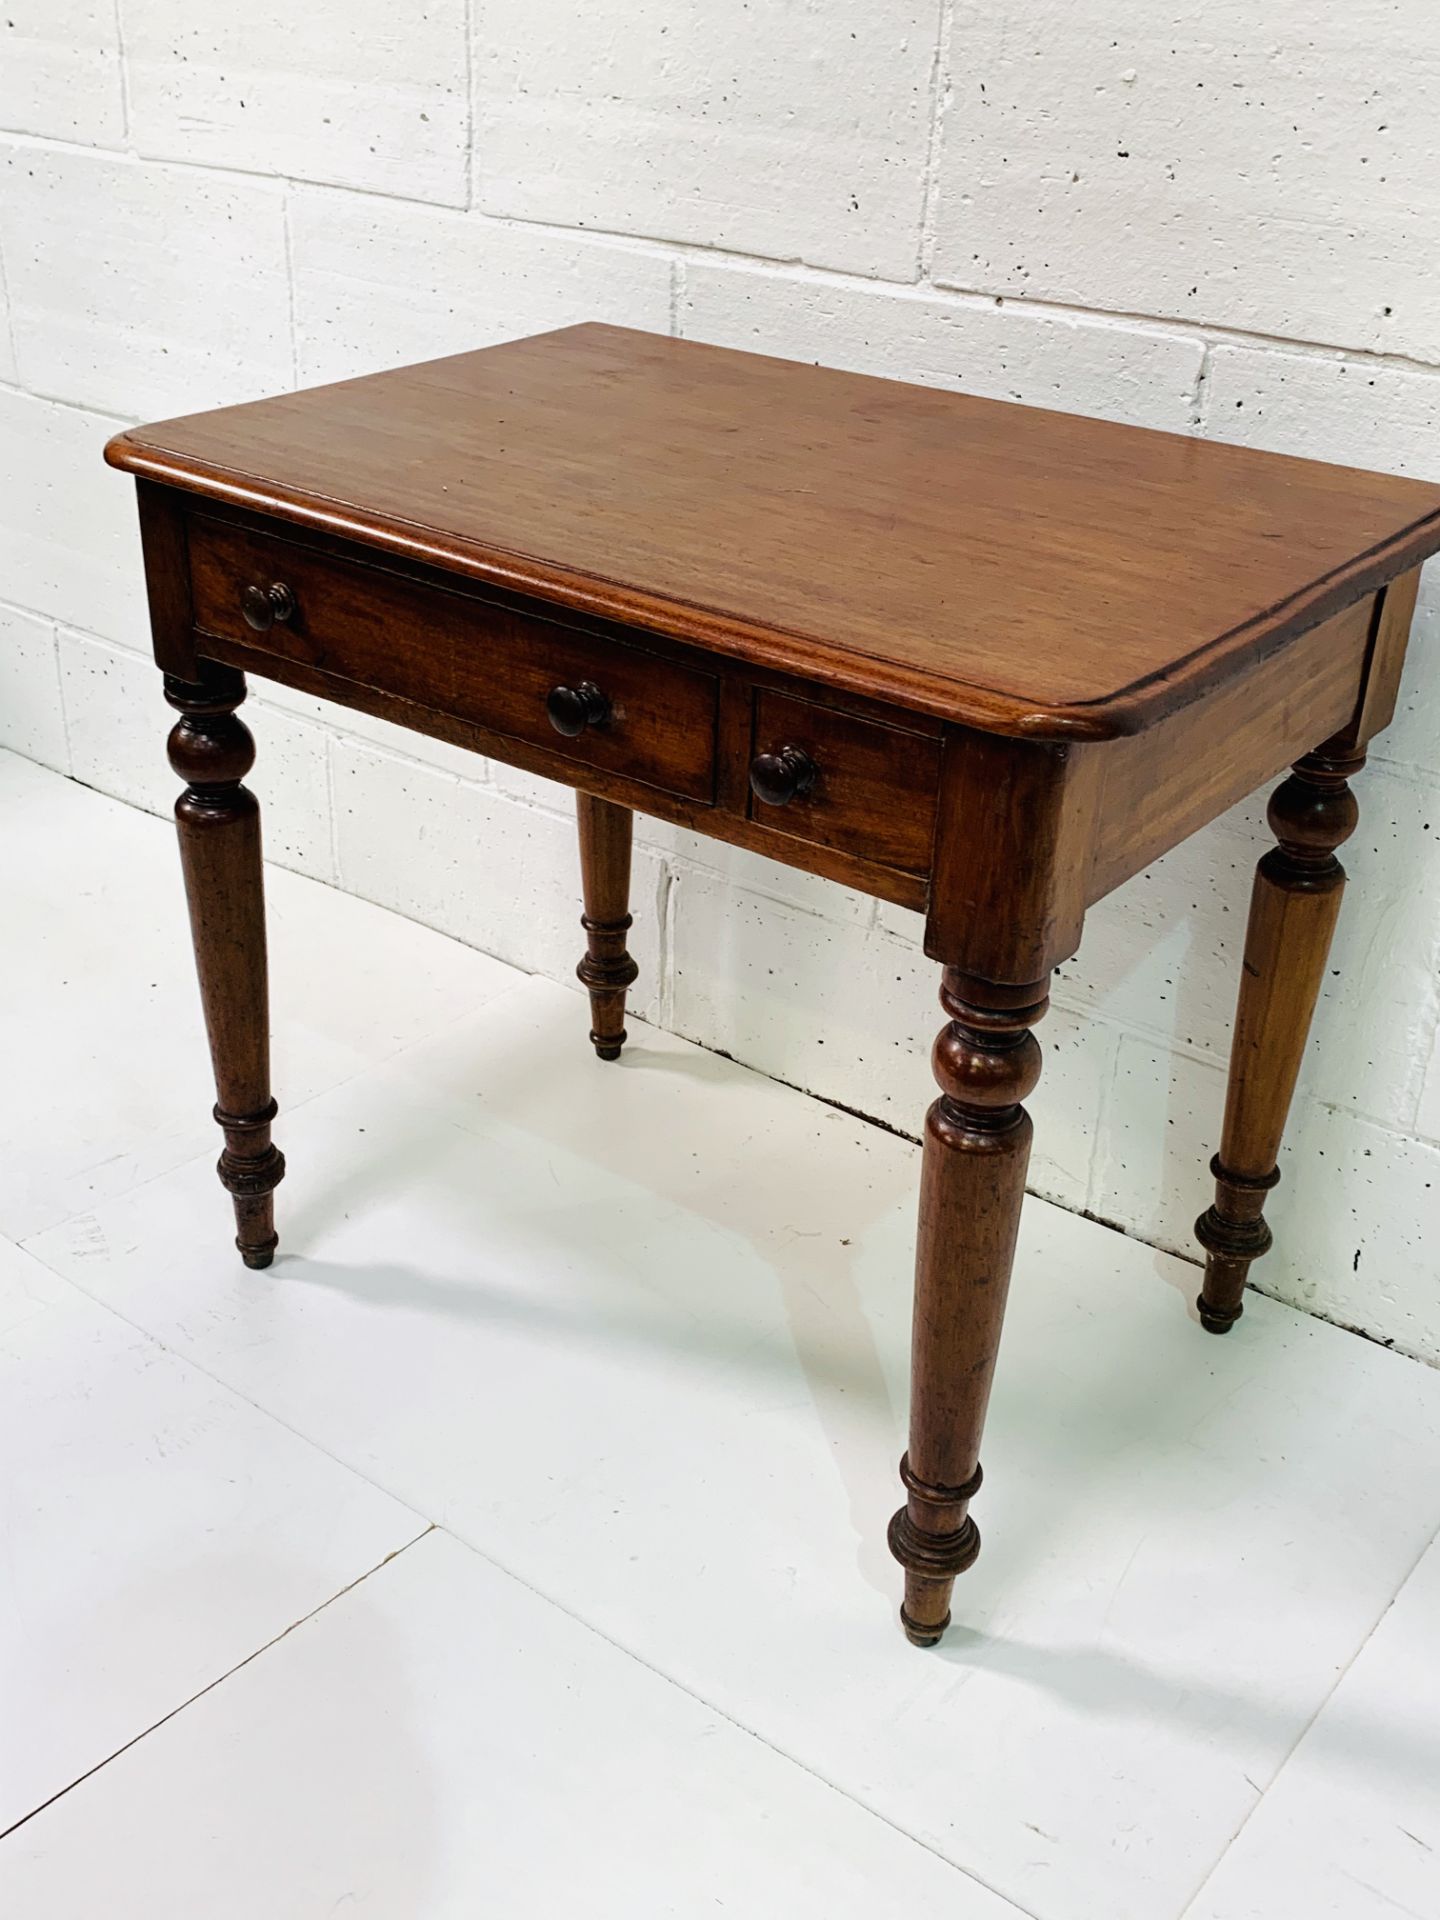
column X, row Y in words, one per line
column 515, row 1545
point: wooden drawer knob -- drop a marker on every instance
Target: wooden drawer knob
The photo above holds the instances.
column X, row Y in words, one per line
column 263, row 606
column 573, row 709
column 779, row 778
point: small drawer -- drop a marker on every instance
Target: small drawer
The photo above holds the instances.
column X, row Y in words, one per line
column 580, row 694
column 839, row 781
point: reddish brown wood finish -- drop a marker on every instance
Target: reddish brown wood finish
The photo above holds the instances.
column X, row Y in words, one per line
column 1293, row 911
column 607, row 970
column 219, row 826
column 476, row 658
column 874, row 787
column 1021, row 571
column 977, row 1147
column 973, row 659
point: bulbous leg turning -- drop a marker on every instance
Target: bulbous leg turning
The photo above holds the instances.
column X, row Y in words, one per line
column 1293, row 910
column 977, row 1148
column 219, row 827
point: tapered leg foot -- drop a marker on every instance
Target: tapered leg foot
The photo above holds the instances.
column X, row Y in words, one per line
column 932, row 1560
column 607, row 971
column 977, row 1147
column 251, row 1179
column 1293, row 910
column 218, row 820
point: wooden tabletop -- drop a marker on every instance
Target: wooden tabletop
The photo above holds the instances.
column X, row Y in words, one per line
column 1029, row 572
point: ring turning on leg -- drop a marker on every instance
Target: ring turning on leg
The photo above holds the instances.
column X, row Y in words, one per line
column 607, row 970
column 977, row 1147
column 1293, row 910
column 219, row 827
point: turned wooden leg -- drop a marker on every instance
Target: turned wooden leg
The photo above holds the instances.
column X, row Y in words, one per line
column 977, row 1147
column 1293, row 910
column 607, row 969
column 219, row 825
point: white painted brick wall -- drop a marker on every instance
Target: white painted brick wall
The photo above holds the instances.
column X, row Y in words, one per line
column 1214, row 219
column 60, row 71
column 797, row 129
column 362, row 96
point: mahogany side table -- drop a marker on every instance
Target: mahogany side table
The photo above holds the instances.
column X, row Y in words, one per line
column 978, row 659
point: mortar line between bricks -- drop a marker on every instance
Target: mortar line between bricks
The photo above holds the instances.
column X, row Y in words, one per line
column 291, row 303
column 1072, row 313
column 1103, row 1108
column 1200, row 397
column 220, row 1679
column 470, row 156
column 1136, row 1028
column 337, row 877
column 1212, row 333
column 939, row 91
column 679, row 864
column 1126, row 1231
column 118, row 422
column 122, row 62
column 8, row 319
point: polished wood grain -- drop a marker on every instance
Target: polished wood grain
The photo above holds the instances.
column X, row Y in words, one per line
column 874, row 788
column 729, row 822
column 606, row 970
column 1161, row 785
column 218, row 819
column 1023, row 571
column 1293, row 910
column 973, row 659
column 977, row 1147
column 480, row 660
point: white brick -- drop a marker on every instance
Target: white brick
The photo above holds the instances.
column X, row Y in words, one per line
column 362, row 95
column 783, row 130
column 1001, row 352
column 69, row 539
column 1356, row 1230
column 1200, row 162
column 481, row 867
column 901, row 923
column 1068, row 1106
column 536, row 791
column 756, row 874
column 380, row 285
column 1326, row 407
column 117, row 722
column 1164, row 952
column 1161, row 1127
column 7, row 345
column 852, row 1015
column 32, row 720
column 349, row 721
column 60, row 71
column 823, row 1005
column 143, row 290
column 1427, row 1119
column 1356, row 1216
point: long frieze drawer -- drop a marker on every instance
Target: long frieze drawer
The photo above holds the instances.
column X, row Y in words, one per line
column 590, row 698
column 837, row 780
